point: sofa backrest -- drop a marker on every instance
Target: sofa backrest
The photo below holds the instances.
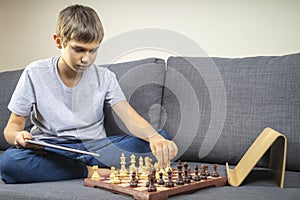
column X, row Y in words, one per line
column 142, row 82
column 8, row 82
column 216, row 107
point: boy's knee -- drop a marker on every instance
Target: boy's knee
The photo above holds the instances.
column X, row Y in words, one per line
column 9, row 165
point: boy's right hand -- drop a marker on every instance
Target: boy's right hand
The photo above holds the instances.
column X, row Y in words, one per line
column 20, row 141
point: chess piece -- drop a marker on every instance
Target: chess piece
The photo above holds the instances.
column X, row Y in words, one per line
column 161, row 180
column 112, row 173
column 132, row 166
column 152, row 187
column 149, row 177
column 190, row 174
column 167, row 168
column 203, row 173
column 148, row 164
column 123, row 170
column 206, row 171
column 169, row 182
column 115, row 178
column 186, row 174
column 141, row 164
column 157, row 171
column 179, row 180
column 144, row 174
column 134, row 181
column 215, row 172
column 196, row 171
column 95, row 175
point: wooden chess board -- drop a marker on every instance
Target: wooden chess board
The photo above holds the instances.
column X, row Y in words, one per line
column 141, row 191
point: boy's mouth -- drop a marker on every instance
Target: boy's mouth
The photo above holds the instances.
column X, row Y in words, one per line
column 82, row 66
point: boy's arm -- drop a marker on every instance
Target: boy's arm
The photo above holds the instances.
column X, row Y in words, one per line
column 14, row 131
column 164, row 150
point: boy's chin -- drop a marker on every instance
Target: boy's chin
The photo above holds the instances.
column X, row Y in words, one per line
column 82, row 68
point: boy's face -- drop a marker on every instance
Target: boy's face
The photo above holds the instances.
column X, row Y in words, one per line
column 76, row 55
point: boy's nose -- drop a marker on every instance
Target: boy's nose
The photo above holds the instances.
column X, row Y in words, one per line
column 85, row 59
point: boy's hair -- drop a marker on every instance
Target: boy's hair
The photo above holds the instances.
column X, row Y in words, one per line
column 79, row 23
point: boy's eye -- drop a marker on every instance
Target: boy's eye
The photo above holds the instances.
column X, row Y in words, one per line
column 93, row 50
column 79, row 50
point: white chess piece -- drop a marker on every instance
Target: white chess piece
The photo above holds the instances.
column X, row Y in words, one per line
column 123, row 170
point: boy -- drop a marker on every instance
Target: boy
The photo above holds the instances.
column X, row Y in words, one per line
column 58, row 91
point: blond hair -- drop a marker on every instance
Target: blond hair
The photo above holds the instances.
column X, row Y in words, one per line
column 79, row 23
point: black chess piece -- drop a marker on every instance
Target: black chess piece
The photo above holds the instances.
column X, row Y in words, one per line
column 190, row 174
column 206, row 171
column 152, row 187
column 169, row 182
column 215, row 172
column 161, row 180
column 203, row 173
column 148, row 182
column 179, row 180
column 186, row 175
column 134, row 181
column 196, row 171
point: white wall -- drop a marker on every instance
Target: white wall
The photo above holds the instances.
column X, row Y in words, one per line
column 228, row 28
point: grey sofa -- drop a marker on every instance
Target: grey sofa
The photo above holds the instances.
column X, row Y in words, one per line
column 213, row 108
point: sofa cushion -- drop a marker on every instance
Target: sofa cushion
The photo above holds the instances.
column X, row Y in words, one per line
column 258, row 185
column 142, row 83
column 220, row 105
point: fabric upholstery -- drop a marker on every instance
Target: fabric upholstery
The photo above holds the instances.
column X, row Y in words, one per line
column 257, row 186
column 8, row 82
column 259, row 92
column 142, row 83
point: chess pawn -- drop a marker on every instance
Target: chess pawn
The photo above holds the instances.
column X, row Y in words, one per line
column 203, row 173
column 186, row 174
column 95, row 175
column 215, row 172
column 190, row 174
column 179, row 180
column 169, row 182
column 196, row 171
column 134, row 181
column 115, row 178
column 144, row 174
column 156, row 171
column 160, row 179
column 206, row 171
column 141, row 165
column 165, row 171
column 112, row 173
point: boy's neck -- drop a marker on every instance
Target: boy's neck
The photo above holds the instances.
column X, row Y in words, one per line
column 68, row 76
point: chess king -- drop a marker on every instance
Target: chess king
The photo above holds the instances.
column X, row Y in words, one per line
column 59, row 93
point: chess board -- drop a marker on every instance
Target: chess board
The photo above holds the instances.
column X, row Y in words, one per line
column 141, row 191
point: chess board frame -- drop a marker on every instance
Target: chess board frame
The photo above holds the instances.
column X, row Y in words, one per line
column 141, row 193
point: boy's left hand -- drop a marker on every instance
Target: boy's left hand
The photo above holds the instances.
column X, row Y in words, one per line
column 164, row 150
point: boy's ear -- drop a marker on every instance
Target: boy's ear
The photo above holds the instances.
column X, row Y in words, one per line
column 57, row 41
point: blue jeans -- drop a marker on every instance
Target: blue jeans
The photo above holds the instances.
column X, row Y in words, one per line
column 27, row 165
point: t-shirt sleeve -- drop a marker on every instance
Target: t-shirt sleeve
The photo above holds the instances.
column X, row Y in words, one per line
column 114, row 92
column 23, row 96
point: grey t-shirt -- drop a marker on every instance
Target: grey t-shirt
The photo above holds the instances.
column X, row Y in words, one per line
column 62, row 112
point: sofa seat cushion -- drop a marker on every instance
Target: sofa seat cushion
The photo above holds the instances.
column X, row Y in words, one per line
column 258, row 185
